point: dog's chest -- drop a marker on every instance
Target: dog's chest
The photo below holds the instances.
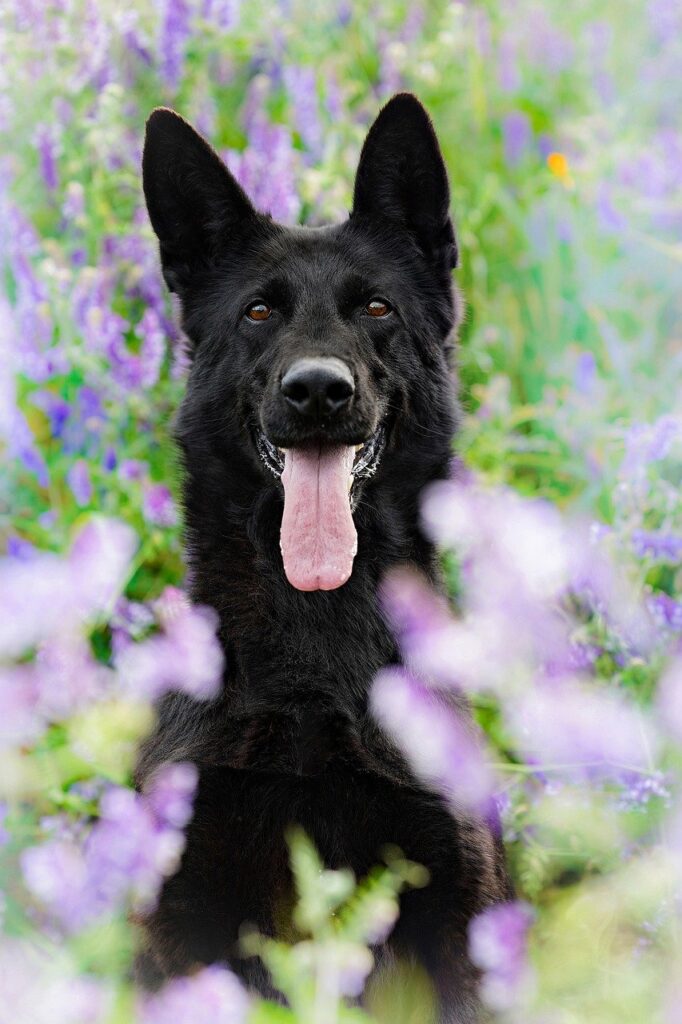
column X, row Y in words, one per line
column 283, row 654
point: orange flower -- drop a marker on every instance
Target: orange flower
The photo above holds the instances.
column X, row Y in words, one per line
column 558, row 165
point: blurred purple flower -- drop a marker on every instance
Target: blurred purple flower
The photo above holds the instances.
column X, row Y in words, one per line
column 610, row 216
column 213, row 994
column 224, row 14
column 67, row 677
column 99, row 560
column 427, row 633
column 78, row 479
column 106, row 334
column 344, row 12
column 660, row 546
column 563, row 724
column 648, row 443
column 129, row 621
column 23, row 447
column 186, row 656
column 480, row 20
column 665, row 18
column 266, row 170
column 20, row 723
column 47, row 144
column 517, row 133
column 158, row 506
column 439, row 747
column 174, row 32
column 55, row 407
column 56, row 873
column 51, row 594
column 508, row 65
column 302, row 88
column 135, row 843
column 585, row 376
column 546, row 45
column 498, row 941
column 666, row 611
column 334, row 100
column 639, row 788
column 18, row 547
column 171, row 793
column 133, row 469
column 41, row 985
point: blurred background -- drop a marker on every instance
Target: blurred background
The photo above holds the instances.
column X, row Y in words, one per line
column 560, row 125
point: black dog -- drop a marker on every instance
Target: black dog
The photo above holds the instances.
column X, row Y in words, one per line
column 318, row 405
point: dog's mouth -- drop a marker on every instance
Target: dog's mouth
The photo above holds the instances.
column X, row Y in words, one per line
column 318, row 538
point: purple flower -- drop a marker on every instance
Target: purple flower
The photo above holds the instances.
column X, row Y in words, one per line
column 40, row 984
column 302, row 88
column 174, row 31
column 663, row 547
column 73, row 207
column 186, row 656
column 610, row 216
column 214, row 994
column 135, row 843
column 498, row 940
column 638, row 789
column 546, row 46
column 20, row 723
column 18, row 547
column 49, row 594
column 427, row 632
column 665, row 18
column 171, row 793
column 56, row 409
column 56, row 874
column 46, row 140
column 158, row 506
column 99, row 560
column 153, row 347
column 517, row 133
column 441, row 749
column 585, row 376
column 222, row 13
column 78, row 479
column 508, row 65
column 67, row 677
column 132, row 469
column 561, row 723
column 267, row 170
column 666, row 611
column 647, row 443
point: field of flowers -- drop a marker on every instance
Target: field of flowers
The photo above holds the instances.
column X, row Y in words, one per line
column 563, row 546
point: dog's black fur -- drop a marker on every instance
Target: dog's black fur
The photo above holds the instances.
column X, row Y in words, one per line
column 291, row 739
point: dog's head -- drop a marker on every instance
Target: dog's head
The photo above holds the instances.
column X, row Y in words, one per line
column 318, row 353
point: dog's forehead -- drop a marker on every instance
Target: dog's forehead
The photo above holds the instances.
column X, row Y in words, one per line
column 329, row 257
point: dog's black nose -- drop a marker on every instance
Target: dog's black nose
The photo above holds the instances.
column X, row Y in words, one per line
column 318, row 387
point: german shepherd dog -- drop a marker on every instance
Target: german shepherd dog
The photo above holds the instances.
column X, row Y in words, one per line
column 318, row 405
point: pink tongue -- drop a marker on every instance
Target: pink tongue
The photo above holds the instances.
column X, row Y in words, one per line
column 318, row 538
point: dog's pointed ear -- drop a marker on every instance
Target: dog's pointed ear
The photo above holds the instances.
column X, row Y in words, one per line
column 401, row 178
column 194, row 203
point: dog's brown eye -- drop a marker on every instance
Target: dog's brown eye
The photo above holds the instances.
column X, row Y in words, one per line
column 377, row 307
column 258, row 311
